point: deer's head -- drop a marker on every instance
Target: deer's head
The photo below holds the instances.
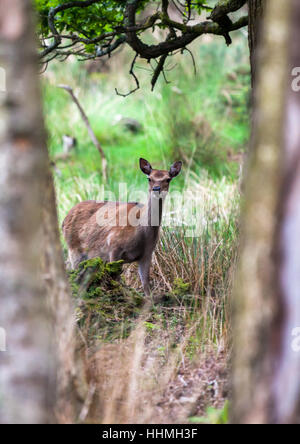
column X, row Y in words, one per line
column 159, row 180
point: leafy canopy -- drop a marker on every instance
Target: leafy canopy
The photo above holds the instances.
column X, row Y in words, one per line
column 91, row 29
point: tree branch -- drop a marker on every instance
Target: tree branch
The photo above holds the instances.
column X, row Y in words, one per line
column 131, row 72
column 89, row 128
column 219, row 15
column 51, row 18
column 180, row 35
column 158, row 70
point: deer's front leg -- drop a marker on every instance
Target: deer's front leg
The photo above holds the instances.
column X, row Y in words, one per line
column 144, row 272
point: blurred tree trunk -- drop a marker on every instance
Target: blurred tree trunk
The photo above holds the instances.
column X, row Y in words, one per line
column 256, row 8
column 27, row 378
column 286, row 387
column 33, row 382
column 266, row 382
column 58, row 292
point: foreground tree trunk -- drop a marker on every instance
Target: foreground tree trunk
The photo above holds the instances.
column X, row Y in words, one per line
column 67, row 387
column 35, row 300
column 266, row 381
column 256, row 8
column 286, row 388
column 27, row 377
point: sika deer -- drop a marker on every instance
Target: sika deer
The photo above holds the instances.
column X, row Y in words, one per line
column 120, row 231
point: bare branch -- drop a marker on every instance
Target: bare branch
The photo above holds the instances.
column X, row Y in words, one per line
column 89, row 128
column 158, row 70
column 110, row 48
column 131, row 72
column 189, row 33
column 193, row 59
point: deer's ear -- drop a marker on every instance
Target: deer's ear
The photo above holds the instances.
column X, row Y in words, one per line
column 145, row 166
column 175, row 169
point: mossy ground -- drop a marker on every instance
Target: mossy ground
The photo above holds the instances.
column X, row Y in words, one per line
column 107, row 309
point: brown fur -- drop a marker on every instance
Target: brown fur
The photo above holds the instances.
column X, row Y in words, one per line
column 86, row 238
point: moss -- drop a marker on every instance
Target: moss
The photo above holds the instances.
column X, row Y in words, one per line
column 93, row 276
column 180, row 287
column 106, row 307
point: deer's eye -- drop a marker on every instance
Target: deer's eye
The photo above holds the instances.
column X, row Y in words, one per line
column 149, row 180
column 168, row 180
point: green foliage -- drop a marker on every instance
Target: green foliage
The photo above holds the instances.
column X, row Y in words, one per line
column 201, row 5
column 94, row 20
column 93, row 275
column 181, row 288
column 213, row 416
column 88, row 22
column 199, row 118
column 150, row 326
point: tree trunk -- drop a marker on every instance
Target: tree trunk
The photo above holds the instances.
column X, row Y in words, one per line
column 266, row 368
column 286, row 387
column 67, row 405
column 28, row 253
column 27, row 378
column 256, row 8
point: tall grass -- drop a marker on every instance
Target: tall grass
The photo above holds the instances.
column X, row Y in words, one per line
column 200, row 118
column 172, row 365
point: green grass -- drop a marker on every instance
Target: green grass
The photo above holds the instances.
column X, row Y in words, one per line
column 213, row 416
column 196, row 117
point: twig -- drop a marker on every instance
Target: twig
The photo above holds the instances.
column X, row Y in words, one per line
column 158, row 70
column 131, row 72
column 89, row 128
column 88, row 402
column 193, row 59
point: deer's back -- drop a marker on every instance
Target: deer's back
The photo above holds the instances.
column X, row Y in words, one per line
column 86, row 236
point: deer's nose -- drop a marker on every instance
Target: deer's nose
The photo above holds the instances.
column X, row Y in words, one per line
column 156, row 188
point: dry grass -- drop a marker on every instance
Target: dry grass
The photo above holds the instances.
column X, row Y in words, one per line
column 137, row 383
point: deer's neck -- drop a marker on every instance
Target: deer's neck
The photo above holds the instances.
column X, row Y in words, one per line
column 154, row 216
